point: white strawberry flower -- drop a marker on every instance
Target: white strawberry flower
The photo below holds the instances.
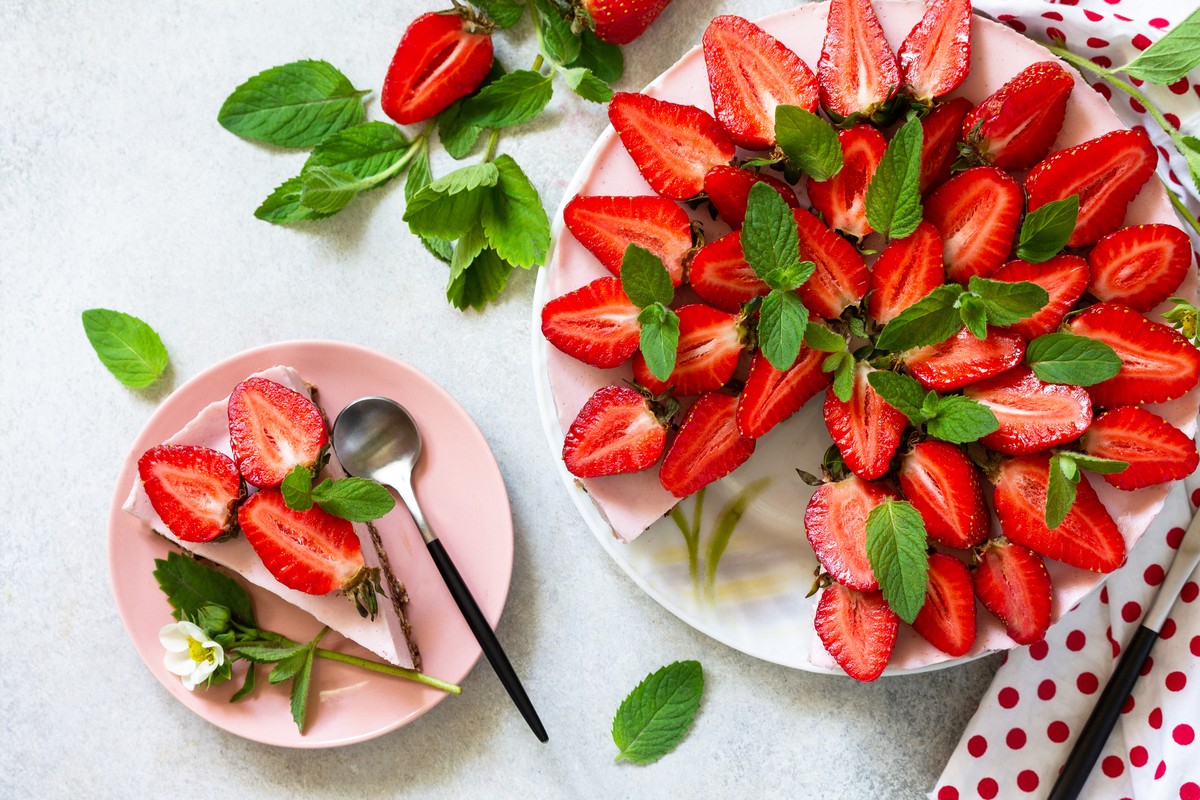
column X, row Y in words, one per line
column 191, row 654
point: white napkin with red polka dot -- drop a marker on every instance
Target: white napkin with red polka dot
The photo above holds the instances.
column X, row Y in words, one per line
column 1029, row 718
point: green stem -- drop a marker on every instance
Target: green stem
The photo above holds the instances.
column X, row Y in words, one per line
column 389, row 669
column 401, row 163
column 1181, row 209
column 1126, row 87
column 490, row 153
column 538, row 63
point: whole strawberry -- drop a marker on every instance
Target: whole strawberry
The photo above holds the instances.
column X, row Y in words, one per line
column 622, row 21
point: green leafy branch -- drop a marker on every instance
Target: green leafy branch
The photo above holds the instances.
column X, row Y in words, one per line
column 946, row 309
column 355, row 499
column 951, row 418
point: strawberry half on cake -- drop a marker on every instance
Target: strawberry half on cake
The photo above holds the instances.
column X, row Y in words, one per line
column 192, row 489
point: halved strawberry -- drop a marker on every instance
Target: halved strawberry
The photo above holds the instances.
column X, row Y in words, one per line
column 1033, row 415
column 858, row 629
column 674, row 146
column 841, row 277
column 622, row 21
column 835, row 522
column 947, row 489
column 1011, row 581
column 857, row 71
column 618, row 430
column 771, row 396
column 936, row 55
column 939, row 143
column 1157, row 363
column 596, row 324
column 751, row 73
column 1064, row 278
column 963, row 359
column 273, row 430
column 441, row 57
column 1140, row 266
column 729, row 190
column 708, row 446
column 1088, row 538
column 720, row 276
column 606, row 226
column 947, row 620
column 841, row 200
column 1155, row 449
column 867, row 429
column 1106, row 172
column 906, row 270
column 192, row 489
column 310, row 551
column 710, row 341
column 977, row 212
column 1016, row 126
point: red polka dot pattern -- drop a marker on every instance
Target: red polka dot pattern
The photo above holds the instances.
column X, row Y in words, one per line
column 1175, row 535
column 1087, row 682
column 1168, row 629
column 1176, row 681
column 1189, row 791
column 1155, row 718
column 1047, row 689
column 1058, row 732
column 1008, row 697
column 947, row 793
column 1027, row 780
column 1076, row 640
column 1138, row 756
column 1112, row 766
column 1154, row 575
column 1131, row 611
column 1015, row 739
column 977, row 746
column 988, row 788
column 1183, row 734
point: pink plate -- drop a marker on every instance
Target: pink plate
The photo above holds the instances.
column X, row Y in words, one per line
column 346, row 704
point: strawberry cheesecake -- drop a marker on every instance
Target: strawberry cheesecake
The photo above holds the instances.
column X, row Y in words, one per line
column 207, row 439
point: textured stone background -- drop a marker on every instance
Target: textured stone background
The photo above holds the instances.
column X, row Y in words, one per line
column 119, row 189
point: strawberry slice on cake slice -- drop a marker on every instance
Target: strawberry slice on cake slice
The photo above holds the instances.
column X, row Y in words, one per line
column 388, row 635
column 606, row 226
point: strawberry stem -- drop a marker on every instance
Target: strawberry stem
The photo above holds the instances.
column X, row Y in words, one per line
column 389, row 669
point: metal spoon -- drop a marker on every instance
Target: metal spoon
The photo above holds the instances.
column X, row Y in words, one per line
column 376, row 438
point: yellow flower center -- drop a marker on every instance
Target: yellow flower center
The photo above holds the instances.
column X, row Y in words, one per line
column 198, row 651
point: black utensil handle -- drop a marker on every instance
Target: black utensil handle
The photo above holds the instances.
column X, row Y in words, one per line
column 1104, row 716
column 486, row 637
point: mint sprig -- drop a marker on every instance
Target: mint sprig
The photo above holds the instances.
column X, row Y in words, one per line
column 1070, row 359
column 951, row 418
column 1045, row 231
column 940, row 314
column 127, row 347
column 656, row 715
column 647, row 284
column 293, row 105
column 1171, row 57
column 513, row 99
column 1064, row 477
column 355, row 499
column 809, row 143
column 896, row 543
column 771, row 245
column 893, row 200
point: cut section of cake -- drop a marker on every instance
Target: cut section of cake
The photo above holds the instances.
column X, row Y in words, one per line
column 388, row 635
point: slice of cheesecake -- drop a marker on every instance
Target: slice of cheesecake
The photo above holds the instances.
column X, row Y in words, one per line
column 388, row 635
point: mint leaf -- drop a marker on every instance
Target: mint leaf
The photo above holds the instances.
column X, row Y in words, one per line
column 973, row 311
column 1171, row 57
column 451, row 205
column 327, row 190
column 960, row 420
column 809, row 143
column 355, row 499
column 1008, row 303
column 901, row 392
column 516, row 97
column 374, row 151
column 479, row 283
column 659, row 339
column 1045, row 232
column 297, row 488
column 419, row 176
column 1070, row 359
column 769, row 237
column 656, row 715
column 585, row 84
column 782, row 319
column 190, row 585
column 558, row 42
column 818, row 337
column 843, row 376
column 457, row 134
column 514, row 221
column 1102, row 466
column 127, row 347
column 644, row 278
column 467, row 249
column 606, row 61
column 294, row 105
column 505, row 13
column 301, row 679
column 248, row 685
column 283, row 206
column 893, row 200
column 896, row 549
column 1060, row 492
column 931, row 320
column 1190, row 147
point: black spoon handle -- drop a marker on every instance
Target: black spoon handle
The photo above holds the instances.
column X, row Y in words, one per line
column 486, row 637
column 1104, row 716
